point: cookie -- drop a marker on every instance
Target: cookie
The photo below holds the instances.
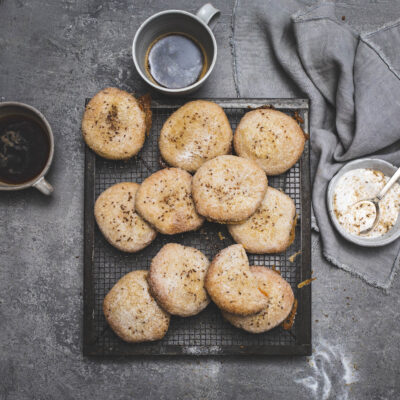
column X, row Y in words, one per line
column 280, row 303
column 228, row 189
column 164, row 199
column 114, row 124
column 132, row 312
column 115, row 215
column 196, row 132
column 271, row 138
column 176, row 279
column 271, row 228
column 231, row 285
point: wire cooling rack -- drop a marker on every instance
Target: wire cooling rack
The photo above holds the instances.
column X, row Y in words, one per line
column 207, row 333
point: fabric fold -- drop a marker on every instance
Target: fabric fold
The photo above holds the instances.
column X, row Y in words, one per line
column 354, row 87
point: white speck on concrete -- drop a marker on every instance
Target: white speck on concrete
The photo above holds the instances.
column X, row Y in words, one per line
column 331, row 372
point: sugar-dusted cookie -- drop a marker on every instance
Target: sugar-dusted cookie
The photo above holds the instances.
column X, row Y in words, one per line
column 280, row 303
column 229, row 189
column 132, row 312
column 271, row 138
column 117, row 219
column 231, row 284
column 271, row 228
column 196, row 132
column 176, row 279
column 114, row 124
column 164, row 199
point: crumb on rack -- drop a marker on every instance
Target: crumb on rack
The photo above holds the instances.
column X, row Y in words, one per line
column 276, row 270
column 162, row 163
column 306, row 282
column 293, row 230
column 221, row 236
column 293, row 256
column 145, row 105
column 265, row 106
column 289, row 321
column 298, row 118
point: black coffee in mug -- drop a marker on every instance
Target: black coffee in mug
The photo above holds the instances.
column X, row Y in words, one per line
column 24, row 148
column 175, row 61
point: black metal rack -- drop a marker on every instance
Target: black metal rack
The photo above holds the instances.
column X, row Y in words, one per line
column 207, row 333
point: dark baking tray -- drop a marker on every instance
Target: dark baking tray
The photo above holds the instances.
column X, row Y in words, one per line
column 207, row 333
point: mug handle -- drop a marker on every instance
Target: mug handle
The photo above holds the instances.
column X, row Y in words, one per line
column 207, row 12
column 43, row 186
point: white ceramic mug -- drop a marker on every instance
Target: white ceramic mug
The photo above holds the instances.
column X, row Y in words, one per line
column 39, row 182
column 176, row 21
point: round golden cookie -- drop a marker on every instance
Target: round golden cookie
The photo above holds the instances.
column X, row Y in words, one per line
column 271, row 228
column 132, row 312
column 231, row 285
column 196, row 132
column 176, row 279
column 228, row 189
column 271, row 138
column 115, row 215
column 164, row 199
column 114, row 125
column 280, row 303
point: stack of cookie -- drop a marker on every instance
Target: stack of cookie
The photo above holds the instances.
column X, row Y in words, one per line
column 255, row 299
column 181, row 282
column 226, row 189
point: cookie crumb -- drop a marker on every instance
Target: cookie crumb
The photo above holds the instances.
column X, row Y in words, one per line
column 221, row 236
column 293, row 256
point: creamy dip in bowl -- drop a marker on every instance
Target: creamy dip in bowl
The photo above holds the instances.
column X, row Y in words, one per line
column 360, row 180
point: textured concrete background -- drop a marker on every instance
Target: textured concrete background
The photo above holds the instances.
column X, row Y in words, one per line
column 53, row 54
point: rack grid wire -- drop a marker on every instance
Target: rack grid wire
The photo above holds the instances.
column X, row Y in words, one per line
column 207, row 333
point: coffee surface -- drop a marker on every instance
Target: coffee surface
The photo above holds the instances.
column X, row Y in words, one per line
column 24, row 149
column 175, row 61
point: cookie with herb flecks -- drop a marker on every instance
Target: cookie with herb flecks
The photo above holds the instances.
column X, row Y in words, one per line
column 195, row 133
column 229, row 189
column 114, row 124
column 176, row 279
column 117, row 219
column 271, row 228
column 271, row 138
column 231, row 284
column 132, row 312
column 164, row 199
column 280, row 302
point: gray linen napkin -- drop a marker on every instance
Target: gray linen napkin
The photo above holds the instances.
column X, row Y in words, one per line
column 354, row 87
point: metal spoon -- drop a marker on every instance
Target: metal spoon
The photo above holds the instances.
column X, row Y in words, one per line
column 375, row 201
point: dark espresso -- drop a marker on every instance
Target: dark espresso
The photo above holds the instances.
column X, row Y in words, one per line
column 175, row 61
column 24, row 149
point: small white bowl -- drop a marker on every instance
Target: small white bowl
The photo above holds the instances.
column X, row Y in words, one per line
column 376, row 164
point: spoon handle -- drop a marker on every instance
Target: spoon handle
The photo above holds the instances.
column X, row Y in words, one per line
column 390, row 183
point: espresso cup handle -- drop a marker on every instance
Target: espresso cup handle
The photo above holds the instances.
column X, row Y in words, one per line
column 207, row 12
column 43, row 186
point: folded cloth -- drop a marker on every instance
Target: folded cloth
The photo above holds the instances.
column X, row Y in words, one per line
column 353, row 83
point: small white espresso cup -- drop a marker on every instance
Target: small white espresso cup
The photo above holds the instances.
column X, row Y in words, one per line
column 10, row 108
column 176, row 21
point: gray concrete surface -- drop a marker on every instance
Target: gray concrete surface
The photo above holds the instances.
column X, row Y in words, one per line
column 53, row 54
